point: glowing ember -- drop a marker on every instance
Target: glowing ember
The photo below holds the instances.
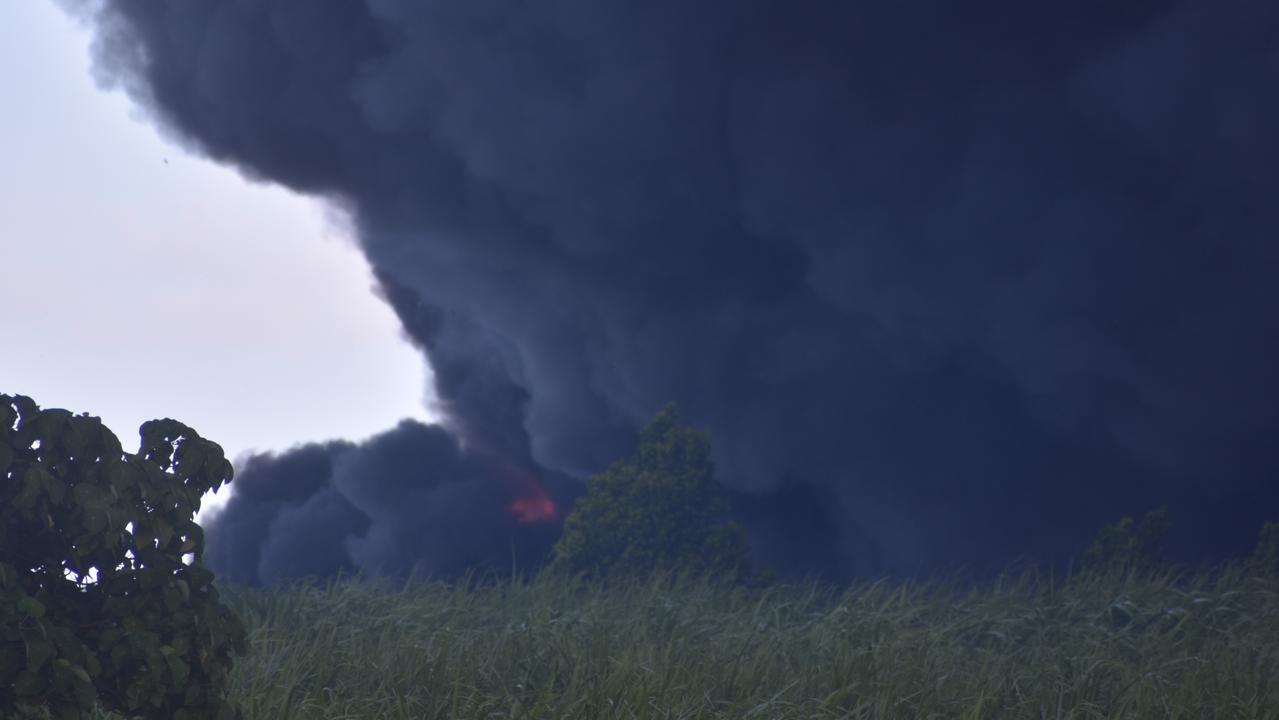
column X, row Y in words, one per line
column 533, row 509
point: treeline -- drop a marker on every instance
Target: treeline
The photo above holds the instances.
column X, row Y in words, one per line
column 1128, row 544
column 661, row 510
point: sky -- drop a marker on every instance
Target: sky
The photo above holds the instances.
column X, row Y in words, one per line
column 143, row 282
column 949, row 285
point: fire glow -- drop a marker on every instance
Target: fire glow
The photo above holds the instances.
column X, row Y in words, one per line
column 533, row 505
column 536, row 509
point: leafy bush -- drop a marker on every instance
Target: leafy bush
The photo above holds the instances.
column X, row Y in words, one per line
column 659, row 510
column 96, row 603
column 1126, row 544
column 1265, row 559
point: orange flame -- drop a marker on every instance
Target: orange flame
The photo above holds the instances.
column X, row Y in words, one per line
column 538, row 508
column 534, row 505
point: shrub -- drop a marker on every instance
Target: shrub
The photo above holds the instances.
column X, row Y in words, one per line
column 97, row 605
column 659, row 510
column 1265, row 559
column 1128, row 545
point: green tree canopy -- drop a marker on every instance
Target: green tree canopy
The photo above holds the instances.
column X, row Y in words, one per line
column 104, row 597
column 658, row 510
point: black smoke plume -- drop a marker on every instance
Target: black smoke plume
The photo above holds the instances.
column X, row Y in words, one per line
column 410, row 501
column 950, row 283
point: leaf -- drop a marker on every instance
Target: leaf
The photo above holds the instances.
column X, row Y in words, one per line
column 194, row 535
column 172, row 597
column 66, row 643
column 119, row 654
column 27, row 408
column 115, row 477
column 87, row 496
column 85, row 692
column 81, row 674
column 38, row 653
column 95, row 521
column 190, row 458
column 197, row 575
column 55, row 489
column 178, row 669
column 31, row 607
column 66, row 711
column 74, row 439
column 133, row 695
column 7, row 415
column 224, row 475
column 29, row 684
column 163, row 532
column 36, row 481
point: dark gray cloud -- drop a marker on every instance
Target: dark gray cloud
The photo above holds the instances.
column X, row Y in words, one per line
column 949, row 283
column 407, row 501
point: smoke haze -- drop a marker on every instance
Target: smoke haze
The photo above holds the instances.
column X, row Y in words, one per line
column 948, row 283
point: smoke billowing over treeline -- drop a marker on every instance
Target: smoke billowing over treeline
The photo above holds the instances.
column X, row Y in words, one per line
column 948, row 283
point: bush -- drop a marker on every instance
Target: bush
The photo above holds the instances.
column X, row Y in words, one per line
column 1265, row 559
column 1128, row 545
column 97, row 606
column 659, row 510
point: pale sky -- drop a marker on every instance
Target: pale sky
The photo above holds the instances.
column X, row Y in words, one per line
column 141, row 282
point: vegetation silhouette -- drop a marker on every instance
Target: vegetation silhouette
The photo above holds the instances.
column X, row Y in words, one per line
column 104, row 598
column 658, row 510
column 636, row 615
column 1129, row 545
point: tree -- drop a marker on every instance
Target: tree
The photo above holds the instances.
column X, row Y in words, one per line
column 658, row 510
column 1127, row 544
column 97, row 605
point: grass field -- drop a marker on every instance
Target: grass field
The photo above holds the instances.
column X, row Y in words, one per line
column 1098, row 646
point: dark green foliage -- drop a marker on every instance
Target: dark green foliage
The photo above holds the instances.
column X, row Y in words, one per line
column 1265, row 559
column 130, row 626
column 1129, row 545
column 659, row 510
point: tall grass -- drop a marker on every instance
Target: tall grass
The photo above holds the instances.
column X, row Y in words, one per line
column 1102, row 645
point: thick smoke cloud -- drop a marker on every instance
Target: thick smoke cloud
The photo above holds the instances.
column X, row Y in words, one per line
column 407, row 502
column 949, row 283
